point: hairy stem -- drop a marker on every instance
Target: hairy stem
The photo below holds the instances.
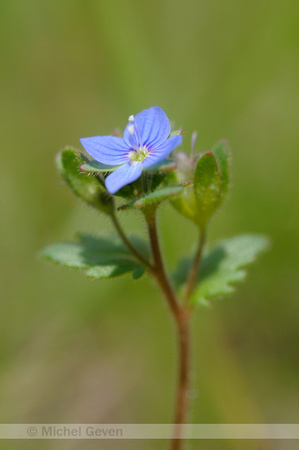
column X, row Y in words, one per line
column 129, row 244
column 192, row 277
column 181, row 317
column 183, row 383
column 159, row 271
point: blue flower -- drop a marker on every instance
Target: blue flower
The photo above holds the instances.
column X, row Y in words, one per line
column 146, row 141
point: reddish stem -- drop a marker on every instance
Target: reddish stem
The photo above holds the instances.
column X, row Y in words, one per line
column 181, row 316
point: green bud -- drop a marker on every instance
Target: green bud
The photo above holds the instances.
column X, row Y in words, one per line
column 207, row 187
column 209, row 174
column 86, row 186
column 222, row 155
column 185, row 203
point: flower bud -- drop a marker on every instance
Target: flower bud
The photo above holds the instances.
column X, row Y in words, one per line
column 85, row 186
column 209, row 175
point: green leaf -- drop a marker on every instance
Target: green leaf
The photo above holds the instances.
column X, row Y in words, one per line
column 97, row 167
column 154, row 197
column 85, row 186
column 222, row 153
column 103, row 170
column 207, row 187
column 157, row 174
column 98, row 258
column 222, row 267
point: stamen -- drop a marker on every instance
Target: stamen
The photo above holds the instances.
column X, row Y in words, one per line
column 133, row 130
column 138, row 136
column 131, row 138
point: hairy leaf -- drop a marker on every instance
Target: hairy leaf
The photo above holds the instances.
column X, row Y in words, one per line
column 155, row 197
column 207, row 187
column 222, row 153
column 96, row 167
column 85, row 186
column 222, row 267
column 98, row 258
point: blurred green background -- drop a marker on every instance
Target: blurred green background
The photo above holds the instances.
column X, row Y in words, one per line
column 73, row 350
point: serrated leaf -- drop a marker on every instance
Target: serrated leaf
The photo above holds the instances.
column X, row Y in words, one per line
column 97, row 167
column 222, row 267
column 98, row 258
column 207, row 187
column 221, row 152
column 155, row 197
column 85, row 186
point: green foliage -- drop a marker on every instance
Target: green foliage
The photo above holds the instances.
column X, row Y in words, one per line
column 154, row 198
column 98, row 258
column 96, row 167
column 210, row 175
column 221, row 152
column 207, row 187
column 157, row 174
column 85, row 186
column 185, row 203
column 222, row 267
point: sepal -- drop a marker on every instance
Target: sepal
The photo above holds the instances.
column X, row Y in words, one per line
column 209, row 174
column 154, row 198
column 222, row 154
column 96, row 167
column 207, row 188
column 85, row 186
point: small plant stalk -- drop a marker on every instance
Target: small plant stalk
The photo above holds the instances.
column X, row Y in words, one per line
column 128, row 243
column 181, row 411
column 193, row 274
column 181, row 314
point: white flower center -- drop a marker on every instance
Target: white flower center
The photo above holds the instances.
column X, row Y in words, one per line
column 139, row 154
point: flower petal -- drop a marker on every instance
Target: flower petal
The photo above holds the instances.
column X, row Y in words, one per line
column 159, row 153
column 123, row 175
column 153, row 126
column 110, row 150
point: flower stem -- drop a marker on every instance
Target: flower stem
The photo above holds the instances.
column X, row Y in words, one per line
column 159, row 271
column 181, row 317
column 129, row 244
column 192, row 277
column 183, row 385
